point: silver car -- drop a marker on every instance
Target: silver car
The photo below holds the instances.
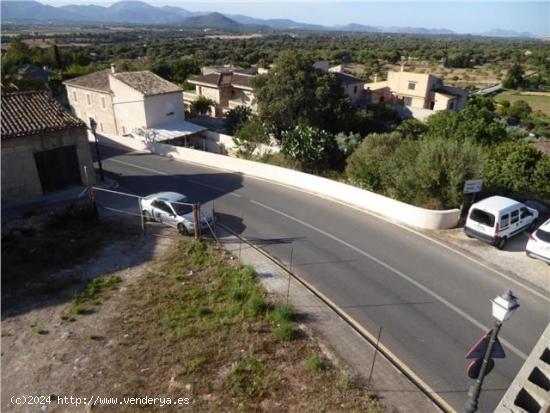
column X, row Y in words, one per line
column 175, row 210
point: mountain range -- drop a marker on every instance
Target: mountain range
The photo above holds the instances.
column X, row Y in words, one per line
column 138, row 12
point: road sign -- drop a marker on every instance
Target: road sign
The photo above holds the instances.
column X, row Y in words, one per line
column 478, row 349
column 475, row 367
column 473, row 186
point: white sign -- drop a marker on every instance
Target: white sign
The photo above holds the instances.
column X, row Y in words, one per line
column 473, row 186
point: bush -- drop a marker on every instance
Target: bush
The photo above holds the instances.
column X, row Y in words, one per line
column 202, row 105
column 309, row 145
column 237, row 117
column 249, row 136
column 285, row 331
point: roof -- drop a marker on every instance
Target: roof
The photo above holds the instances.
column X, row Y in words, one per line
column 495, row 203
column 224, row 79
column 147, row 82
column 167, row 196
column 346, row 79
column 172, row 130
column 449, row 91
column 33, row 113
column 96, row 81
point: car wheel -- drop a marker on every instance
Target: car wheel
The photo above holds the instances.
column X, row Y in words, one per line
column 501, row 243
column 147, row 216
column 182, row 230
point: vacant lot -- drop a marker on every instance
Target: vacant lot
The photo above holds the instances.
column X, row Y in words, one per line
column 168, row 318
column 537, row 100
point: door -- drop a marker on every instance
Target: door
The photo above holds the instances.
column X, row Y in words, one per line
column 58, row 168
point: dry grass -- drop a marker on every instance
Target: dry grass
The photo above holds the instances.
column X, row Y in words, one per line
column 537, row 101
column 203, row 330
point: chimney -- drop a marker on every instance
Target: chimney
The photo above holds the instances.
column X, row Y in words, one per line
column 113, row 68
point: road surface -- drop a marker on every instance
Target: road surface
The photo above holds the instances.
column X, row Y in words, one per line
column 431, row 303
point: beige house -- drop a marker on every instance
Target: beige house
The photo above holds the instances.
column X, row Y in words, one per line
column 228, row 88
column 44, row 147
column 125, row 102
column 417, row 91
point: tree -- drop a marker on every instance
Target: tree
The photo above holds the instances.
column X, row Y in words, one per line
column 347, row 143
column 411, row 129
column 520, row 110
column 236, row 117
column 541, row 176
column 249, row 136
column 333, row 109
column 309, row 145
column 202, row 105
column 514, row 78
column 512, row 165
column 364, row 166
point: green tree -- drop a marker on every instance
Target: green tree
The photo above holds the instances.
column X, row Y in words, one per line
column 347, row 143
column 309, row 145
column 512, row 165
column 541, row 176
column 249, row 136
column 514, row 78
column 236, row 117
column 411, row 129
column 520, row 109
column 364, row 166
column 202, row 105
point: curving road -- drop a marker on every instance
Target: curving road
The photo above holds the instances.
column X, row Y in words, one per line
column 432, row 303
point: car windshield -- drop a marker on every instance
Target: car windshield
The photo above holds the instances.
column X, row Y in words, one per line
column 483, row 217
column 543, row 235
column 181, row 209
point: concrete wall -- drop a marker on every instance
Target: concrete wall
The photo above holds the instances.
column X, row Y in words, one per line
column 164, row 108
column 20, row 177
column 354, row 91
column 387, row 207
column 100, row 108
column 129, row 106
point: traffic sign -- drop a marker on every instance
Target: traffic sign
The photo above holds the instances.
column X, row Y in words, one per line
column 473, row 186
column 479, row 348
column 475, row 366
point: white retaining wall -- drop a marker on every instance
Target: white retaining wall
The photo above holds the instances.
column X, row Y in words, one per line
column 348, row 194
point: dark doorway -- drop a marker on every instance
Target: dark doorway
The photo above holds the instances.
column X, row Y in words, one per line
column 58, row 168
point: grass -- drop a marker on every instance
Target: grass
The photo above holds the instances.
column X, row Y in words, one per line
column 93, row 294
column 536, row 101
column 214, row 334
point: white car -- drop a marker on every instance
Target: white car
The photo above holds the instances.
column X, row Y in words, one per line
column 175, row 210
column 538, row 245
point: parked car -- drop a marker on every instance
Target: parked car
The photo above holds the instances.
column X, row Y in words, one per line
column 175, row 210
column 496, row 219
column 538, row 245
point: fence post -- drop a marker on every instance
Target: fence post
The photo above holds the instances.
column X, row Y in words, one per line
column 197, row 221
column 142, row 218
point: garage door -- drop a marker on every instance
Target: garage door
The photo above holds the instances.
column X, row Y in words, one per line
column 58, row 168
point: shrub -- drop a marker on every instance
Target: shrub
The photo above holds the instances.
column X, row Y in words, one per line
column 309, row 145
column 314, row 363
column 285, row 331
column 202, row 105
column 237, row 117
column 250, row 135
column 282, row 313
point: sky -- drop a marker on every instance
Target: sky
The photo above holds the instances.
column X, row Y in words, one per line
column 461, row 17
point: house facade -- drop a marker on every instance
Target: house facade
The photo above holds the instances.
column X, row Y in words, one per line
column 44, row 147
column 417, row 90
column 124, row 102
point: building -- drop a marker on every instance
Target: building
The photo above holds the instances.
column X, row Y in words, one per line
column 44, row 147
column 417, row 91
column 231, row 87
column 226, row 87
column 121, row 103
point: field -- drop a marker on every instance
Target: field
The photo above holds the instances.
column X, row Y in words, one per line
column 537, row 100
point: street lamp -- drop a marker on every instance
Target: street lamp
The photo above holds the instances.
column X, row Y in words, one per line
column 503, row 307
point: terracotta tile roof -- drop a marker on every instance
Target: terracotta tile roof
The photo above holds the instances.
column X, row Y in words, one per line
column 95, row 81
column 32, row 113
column 147, row 82
column 224, row 79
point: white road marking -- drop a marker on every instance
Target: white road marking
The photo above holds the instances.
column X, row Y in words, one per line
column 445, row 302
column 168, row 174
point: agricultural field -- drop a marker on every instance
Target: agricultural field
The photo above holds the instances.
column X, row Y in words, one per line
column 537, row 100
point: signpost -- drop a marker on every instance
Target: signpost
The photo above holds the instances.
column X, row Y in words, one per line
column 478, row 349
column 473, row 186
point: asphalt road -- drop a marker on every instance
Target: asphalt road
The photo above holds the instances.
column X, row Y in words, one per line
column 431, row 303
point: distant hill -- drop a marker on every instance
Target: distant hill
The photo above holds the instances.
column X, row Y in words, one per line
column 213, row 20
column 138, row 12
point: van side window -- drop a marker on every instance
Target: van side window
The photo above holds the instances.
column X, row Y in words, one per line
column 514, row 217
column 524, row 213
column 504, row 221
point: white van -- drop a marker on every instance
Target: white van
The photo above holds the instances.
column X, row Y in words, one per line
column 496, row 219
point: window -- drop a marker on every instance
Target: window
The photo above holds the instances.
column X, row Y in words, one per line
column 543, row 235
column 514, row 217
column 162, row 206
column 525, row 213
column 451, row 105
column 412, row 86
column 483, row 217
column 75, row 96
column 102, row 102
column 355, row 90
column 88, row 99
column 504, row 221
column 408, row 101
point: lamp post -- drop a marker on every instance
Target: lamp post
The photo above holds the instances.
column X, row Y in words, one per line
column 503, row 307
column 93, row 126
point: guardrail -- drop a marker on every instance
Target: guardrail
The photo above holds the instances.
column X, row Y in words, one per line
column 347, row 194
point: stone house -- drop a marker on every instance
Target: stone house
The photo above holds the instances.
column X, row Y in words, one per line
column 44, row 147
column 125, row 102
